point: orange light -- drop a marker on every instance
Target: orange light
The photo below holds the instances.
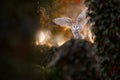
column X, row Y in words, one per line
column 43, row 38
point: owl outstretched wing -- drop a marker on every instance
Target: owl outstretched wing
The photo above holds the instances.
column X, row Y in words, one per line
column 64, row 21
column 82, row 19
column 81, row 16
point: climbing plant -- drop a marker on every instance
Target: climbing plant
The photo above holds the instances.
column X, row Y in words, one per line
column 105, row 19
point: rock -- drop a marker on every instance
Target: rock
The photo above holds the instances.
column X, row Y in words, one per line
column 78, row 60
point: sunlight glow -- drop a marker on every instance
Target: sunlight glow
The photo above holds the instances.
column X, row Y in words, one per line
column 43, row 38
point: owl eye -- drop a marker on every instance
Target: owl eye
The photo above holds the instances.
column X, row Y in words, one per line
column 76, row 26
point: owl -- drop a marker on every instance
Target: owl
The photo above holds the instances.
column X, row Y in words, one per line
column 75, row 27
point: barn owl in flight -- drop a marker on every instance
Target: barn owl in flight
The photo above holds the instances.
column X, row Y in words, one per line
column 75, row 27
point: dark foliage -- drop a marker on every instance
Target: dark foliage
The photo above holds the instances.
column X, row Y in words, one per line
column 105, row 16
column 40, row 57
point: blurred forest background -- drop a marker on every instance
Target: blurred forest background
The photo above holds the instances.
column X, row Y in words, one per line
column 29, row 41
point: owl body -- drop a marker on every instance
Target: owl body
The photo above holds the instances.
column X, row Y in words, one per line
column 75, row 28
